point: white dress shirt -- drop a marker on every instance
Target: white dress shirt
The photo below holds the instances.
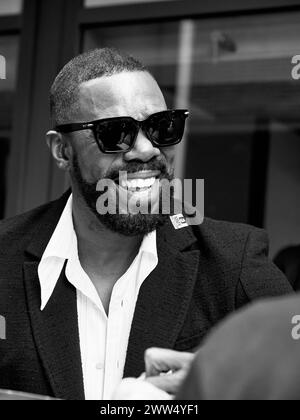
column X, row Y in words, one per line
column 103, row 339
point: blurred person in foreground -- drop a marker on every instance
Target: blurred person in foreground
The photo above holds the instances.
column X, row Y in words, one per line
column 83, row 294
column 253, row 355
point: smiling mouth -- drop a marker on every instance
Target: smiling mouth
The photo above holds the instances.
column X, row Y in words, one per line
column 139, row 181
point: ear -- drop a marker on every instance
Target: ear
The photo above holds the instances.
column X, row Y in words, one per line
column 60, row 150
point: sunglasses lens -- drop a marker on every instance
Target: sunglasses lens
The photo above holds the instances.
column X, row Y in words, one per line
column 166, row 128
column 116, row 136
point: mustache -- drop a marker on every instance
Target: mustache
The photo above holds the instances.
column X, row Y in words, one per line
column 138, row 166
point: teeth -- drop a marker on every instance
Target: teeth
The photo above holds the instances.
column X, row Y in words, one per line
column 150, row 181
column 138, row 183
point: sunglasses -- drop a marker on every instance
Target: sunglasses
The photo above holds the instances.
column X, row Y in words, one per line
column 118, row 135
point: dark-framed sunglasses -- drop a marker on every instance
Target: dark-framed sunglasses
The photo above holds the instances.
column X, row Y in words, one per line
column 118, row 135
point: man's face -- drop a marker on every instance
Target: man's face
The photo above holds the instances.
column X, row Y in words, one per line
column 133, row 94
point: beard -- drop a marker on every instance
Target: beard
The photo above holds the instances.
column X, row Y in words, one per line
column 124, row 224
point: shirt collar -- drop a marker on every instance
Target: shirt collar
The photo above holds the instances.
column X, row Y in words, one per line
column 56, row 253
column 63, row 245
column 60, row 244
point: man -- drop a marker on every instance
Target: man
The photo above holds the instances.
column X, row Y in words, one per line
column 84, row 293
column 253, row 355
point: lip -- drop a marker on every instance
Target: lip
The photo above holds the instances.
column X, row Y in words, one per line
column 140, row 194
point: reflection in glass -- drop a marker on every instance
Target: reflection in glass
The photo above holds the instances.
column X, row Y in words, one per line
column 99, row 3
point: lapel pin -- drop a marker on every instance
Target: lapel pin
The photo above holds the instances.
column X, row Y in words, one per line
column 178, row 221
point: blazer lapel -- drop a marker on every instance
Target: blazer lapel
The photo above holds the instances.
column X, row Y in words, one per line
column 164, row 297
column 55, row 329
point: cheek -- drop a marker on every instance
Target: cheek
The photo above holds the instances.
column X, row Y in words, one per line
column 94, row 164
column 170, row 154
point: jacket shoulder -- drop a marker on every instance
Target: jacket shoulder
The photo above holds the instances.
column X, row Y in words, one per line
column 228, row 227
column 22, row 220
column 18, row 229
column 227, row 235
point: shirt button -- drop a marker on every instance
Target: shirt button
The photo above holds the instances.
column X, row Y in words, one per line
column 99, row 366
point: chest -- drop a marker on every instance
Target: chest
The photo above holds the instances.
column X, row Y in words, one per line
column 104, row 287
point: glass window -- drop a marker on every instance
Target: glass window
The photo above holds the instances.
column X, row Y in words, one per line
column 235, row 76
column 10, row 7
column 9, row 51
column 99, row 3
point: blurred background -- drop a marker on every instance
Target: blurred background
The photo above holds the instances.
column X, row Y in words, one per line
column 228, row 62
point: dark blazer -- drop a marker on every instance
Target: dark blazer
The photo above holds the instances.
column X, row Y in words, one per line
column 288, row 260
column 203, row 274
column 253, row 355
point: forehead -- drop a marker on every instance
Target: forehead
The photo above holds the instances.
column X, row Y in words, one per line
column 134, row 94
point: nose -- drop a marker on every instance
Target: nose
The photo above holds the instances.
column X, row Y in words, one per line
column 143, row 149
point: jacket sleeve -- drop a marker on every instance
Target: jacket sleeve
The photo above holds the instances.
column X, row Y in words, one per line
column 259, row 277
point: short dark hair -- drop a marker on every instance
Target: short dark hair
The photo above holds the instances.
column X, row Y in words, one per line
column 88, row 66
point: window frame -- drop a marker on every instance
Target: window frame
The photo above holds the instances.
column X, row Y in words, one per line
column 180, row 9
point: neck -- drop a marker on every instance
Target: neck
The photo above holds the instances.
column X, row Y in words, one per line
column 98, row 246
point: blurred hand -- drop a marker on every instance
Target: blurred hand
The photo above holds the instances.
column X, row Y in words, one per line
column 167, row 369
